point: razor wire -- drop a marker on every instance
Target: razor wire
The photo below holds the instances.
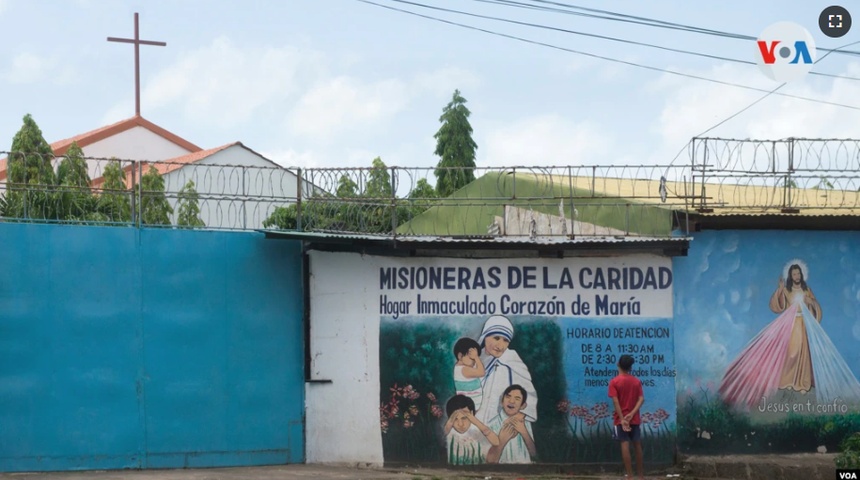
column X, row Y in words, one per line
column 722, row 176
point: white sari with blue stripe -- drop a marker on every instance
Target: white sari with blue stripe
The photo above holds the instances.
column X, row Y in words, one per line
column 501, row 373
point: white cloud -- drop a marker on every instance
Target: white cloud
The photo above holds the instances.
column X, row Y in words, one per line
column 543, row 141
column 442, row 83
column 293, row 158
column 343, row 102
column 692, row 107
column 224, row 85
column 118, row 112
column 28, row 67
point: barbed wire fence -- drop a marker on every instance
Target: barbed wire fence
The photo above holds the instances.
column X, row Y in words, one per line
column 721, row 176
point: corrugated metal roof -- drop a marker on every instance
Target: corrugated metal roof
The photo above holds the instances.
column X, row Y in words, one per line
column 806, row 213
column 482, row 240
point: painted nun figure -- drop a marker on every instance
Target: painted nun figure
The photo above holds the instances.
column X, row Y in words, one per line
column 504, row 368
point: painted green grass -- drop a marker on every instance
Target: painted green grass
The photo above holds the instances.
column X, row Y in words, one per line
column 470, row 210
column 708, row 425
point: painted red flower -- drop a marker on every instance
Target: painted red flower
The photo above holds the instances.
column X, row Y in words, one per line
column 563, row 406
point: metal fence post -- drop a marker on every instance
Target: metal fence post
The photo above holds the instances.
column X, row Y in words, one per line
column 139, row 193
column 299, row 199
column 572, row 204
column 393, row 181
column 133, row 197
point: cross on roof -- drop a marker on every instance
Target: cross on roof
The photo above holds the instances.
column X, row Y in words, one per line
column 137, row 43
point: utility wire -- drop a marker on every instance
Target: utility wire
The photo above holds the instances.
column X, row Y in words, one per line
column 617, row 17
column 620, row 17
column 602, row 37
column 601, row 57
column 768, row 93
column 746, row 108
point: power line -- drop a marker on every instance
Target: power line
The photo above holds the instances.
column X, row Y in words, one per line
column 602, row 37
column 620, row 17
column 767, row 94
column 617, row 17
column 601, row 57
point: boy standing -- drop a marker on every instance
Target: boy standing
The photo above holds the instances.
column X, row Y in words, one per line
column 626, row 393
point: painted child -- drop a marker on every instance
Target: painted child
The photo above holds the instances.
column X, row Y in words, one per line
column 516, row 441
column 469, row 370
column 466, row 437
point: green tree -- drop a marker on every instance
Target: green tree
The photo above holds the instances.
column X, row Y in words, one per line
column 378, row 180
column 113, row 202
column 374, row 214
column 421, row 197
column 31, row 179
column 282, row 218
column 188, row 209
column 346, row 187
column 153, row 209
column 75, row 198
column 454, row 147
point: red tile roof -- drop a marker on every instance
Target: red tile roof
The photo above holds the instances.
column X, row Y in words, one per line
column 88, row 138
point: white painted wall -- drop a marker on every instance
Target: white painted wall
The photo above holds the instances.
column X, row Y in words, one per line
column 518, row 220
column 343, row 420
column 136, row 143
column 343, row 416
column 221, row 174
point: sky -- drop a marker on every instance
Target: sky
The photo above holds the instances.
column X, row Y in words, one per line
column 336, row 83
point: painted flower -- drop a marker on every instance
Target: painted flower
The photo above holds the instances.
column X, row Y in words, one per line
column 410, row 393
column 413, row 410
column 563, row 405
column 431, row 397
column 395, row 391
column 578, row 411
column 384, row 425
column 601, row 410
column 436, row 410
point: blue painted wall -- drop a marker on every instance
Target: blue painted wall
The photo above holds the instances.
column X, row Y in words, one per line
column 722, row 296
column 126, row 348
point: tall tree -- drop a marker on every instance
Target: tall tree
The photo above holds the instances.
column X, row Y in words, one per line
column 378, row 181
column 31, row 179
column 154, row 209
column 374, row 215
column 188, row 209
column 421, row 197
column 113, row 202
column 75, row 199
column 454, row 147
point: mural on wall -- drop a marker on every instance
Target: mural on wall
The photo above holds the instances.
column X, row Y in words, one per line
column 772, row 360
column 509, row 361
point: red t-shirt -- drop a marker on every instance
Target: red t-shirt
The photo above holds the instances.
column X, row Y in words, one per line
column 628, row 389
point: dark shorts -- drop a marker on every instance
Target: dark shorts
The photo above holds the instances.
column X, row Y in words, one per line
column 619, row 434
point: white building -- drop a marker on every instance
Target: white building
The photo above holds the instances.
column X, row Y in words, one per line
column 237, row 187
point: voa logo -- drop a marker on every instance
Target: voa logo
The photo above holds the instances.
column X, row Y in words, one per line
column 785, row 52
column 847, row 475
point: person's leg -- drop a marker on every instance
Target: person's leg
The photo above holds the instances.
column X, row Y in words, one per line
column 636, row 438
column 640, row 467
column 625, row 456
